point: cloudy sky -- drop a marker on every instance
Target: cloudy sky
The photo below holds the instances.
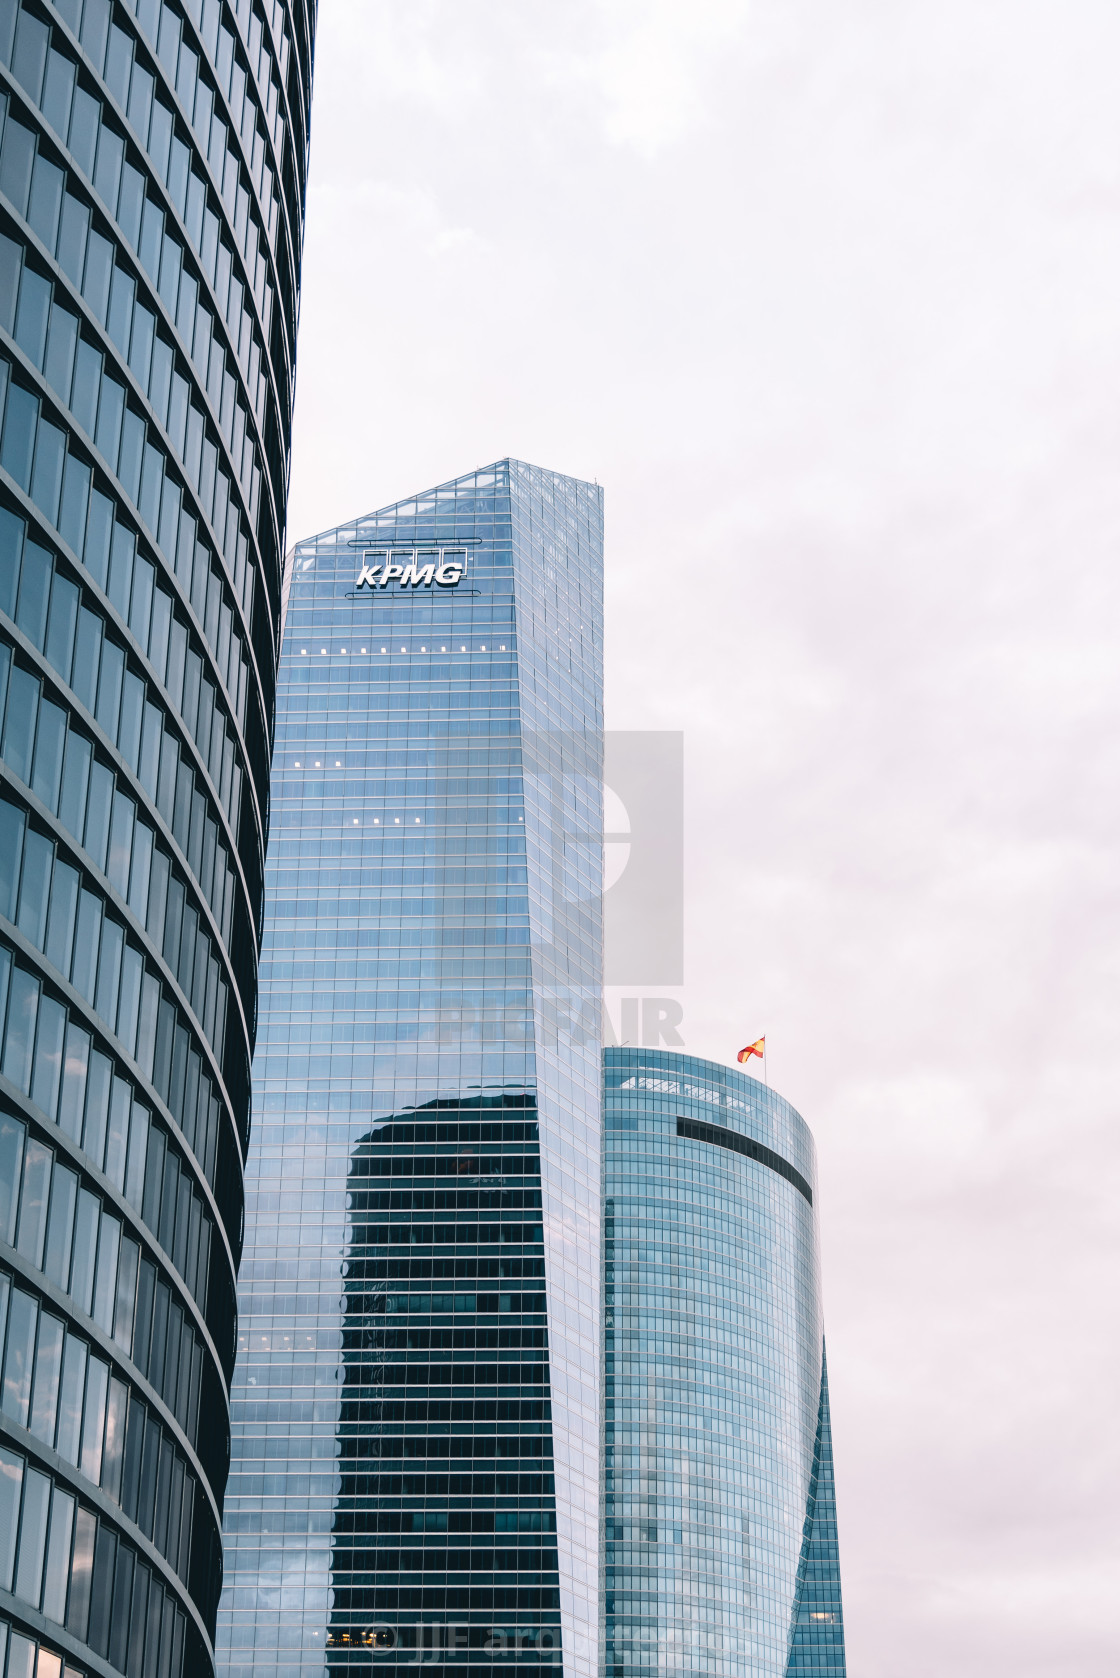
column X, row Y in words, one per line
column 827, row 295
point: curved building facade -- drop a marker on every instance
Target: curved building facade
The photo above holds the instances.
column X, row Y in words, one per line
column 719, row 1511
column 152, row 171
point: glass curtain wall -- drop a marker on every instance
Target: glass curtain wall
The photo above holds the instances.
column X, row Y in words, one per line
column 152, row 168
column 415, row 1466
column 720, row 1550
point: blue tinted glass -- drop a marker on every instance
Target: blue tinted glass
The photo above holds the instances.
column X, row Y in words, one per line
column 419, row 1301
column 719, row 1520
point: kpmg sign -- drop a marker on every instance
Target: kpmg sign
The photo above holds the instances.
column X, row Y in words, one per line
column 410, row 567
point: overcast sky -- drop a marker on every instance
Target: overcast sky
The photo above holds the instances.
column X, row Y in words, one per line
column 827, row 295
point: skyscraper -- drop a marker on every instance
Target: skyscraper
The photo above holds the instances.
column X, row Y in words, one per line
column 416, row 1400
column 152, row 168
column 720, row 1550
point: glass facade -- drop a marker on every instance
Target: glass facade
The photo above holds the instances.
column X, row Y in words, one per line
column 720, row 1550
column 415, row 1468
column 152, row 169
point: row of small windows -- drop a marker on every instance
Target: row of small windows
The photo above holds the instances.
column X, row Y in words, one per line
column 25, row 1657
column 439, row 1600
column 378, row 1372
column 428, row 1304
column 413, row 1269
column 438, row 761
column 356, row 1407
column 134, row 1150
column 68, row 1398
column 38, row 456
column 388, row 1448
column 286, row 1306
column 423, row 734
column 458, row 1520
column 443, row 784
column 50, row 335
column 45, row 897
column 442, row 1200
column 361, row 1334
column 465, row 1164
column 431, row 937
column 442, row 1235
column 673, row 1086
column 37, row 730
column 393, row 968
column 474, row 1560
column 59, row 1558
column 492, row 671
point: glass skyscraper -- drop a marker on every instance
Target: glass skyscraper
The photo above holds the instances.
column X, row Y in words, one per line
column 720, row 1549
column 415, row 1470
column 152, row 171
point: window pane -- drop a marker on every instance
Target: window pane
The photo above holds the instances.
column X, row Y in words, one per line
column 32, row 1536
column 60, row 1225
column 19, row 1353
column 12, row 1135
column 11, row 1482
column 58, row 1558
column 33, row 1202
column 20, row 1036
column 71, row 1394
column 48, row 1372
column 60, row 916
column 85, row 1249
column 34, row 887
column 93, row 1422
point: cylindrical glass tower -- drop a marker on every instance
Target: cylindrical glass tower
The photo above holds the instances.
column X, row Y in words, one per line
column 152, row 170
column 719, row 1511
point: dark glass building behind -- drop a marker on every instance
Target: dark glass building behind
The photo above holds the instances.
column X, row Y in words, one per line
column 152, row 170
column 415, row 1469
column 720, row 1548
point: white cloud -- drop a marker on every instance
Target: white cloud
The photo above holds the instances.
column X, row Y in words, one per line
column 829, row 299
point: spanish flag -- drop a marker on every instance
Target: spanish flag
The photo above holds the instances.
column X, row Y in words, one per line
column 758, row 1049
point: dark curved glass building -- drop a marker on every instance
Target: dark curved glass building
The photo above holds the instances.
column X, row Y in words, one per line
column 152, row 173
column 720, row 1549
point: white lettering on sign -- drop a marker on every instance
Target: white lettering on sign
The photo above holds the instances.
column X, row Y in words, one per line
column 422, row 567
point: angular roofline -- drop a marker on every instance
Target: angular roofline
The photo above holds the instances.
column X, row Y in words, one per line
column 504, row 462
